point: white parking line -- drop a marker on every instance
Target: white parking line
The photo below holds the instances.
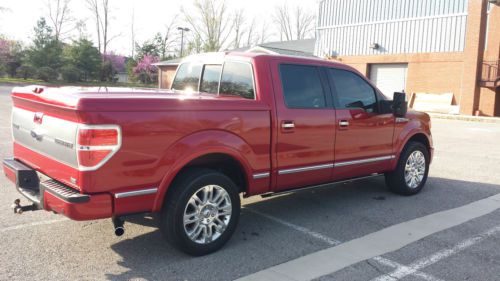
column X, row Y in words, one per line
column 20, row 226
column 425, row 262
column 387, row 240
column 333, row 242
column 319, row 236
column 399, row 266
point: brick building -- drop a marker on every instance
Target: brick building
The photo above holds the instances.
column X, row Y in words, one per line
column 426, row 46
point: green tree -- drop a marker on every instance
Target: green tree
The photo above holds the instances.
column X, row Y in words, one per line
column 149, row 48
column 85, row 57
column 46, row 51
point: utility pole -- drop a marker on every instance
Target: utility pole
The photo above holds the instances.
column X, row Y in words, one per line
column 182, row 29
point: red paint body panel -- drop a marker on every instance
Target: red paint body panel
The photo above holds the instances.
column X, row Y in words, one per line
column 98, row 207
column 162, row 131
column 309, row 143
column 368, row 135
column 9, row 173
column 136, row 204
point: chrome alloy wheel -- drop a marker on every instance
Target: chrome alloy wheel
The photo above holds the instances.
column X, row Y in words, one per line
column 207, row 214
column 415, row 169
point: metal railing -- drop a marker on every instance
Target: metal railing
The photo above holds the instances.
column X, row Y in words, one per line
column 490, row 71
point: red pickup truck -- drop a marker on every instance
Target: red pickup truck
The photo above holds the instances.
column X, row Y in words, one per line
column 232, row 123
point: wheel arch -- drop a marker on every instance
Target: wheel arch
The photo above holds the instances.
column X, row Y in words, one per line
column 229, row 154
column 413, row 135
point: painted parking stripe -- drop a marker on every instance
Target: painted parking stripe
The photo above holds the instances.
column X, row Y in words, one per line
column 333, row 242
column 319, row 236
column 387, row 240
column 398, row 266
column 26, row 225
column 434, row 258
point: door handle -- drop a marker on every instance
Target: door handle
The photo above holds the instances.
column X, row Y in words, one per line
column 287, row 125
column 344, row 123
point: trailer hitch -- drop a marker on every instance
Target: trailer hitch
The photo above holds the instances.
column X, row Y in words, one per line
column 18, row 209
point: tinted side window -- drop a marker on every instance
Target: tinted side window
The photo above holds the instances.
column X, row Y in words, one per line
column 352, row 91
column 302, row 86
column 237, row 80
column 210, row 78
column 187, row 77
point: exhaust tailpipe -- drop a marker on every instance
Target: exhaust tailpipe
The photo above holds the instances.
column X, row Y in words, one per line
column 118, row 224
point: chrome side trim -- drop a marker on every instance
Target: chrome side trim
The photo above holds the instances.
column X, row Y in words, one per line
column 136, row 193
column 402, row 120
column 329, row 184
column 364, row 161
column 261, row 175
column 304, row 169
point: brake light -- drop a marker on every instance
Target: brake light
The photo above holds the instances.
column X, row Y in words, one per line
column 96, row 145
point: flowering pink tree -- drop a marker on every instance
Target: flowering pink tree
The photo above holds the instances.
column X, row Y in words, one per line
column 117, row 61
column 145, row 71
column 4, row 54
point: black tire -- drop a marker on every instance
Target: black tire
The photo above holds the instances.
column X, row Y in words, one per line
column 395, row 180
column 172, row 214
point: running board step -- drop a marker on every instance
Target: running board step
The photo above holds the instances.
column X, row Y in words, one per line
column 270, row 194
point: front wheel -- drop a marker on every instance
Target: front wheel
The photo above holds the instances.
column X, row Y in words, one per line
column 412, row 170
column 201, row 212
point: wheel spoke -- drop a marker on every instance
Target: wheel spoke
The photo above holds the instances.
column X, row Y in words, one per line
column 415, row 169
column 208, row 233
column 225, row 210
column 220, row 226
column 196, row 232
column 207, row 214
column 191, row 218
column 217, row 197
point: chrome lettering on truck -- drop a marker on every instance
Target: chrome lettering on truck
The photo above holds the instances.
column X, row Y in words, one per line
column 64, row 143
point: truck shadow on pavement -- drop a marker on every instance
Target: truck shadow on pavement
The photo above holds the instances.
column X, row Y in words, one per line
column 266, row 236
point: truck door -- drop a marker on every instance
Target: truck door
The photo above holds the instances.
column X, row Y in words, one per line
column 305, row 125
column 364, row 137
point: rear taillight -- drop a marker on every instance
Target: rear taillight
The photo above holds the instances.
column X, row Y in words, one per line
column 96, row 145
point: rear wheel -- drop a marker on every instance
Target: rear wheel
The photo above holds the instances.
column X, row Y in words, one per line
column 201, row 211
column 412, row 170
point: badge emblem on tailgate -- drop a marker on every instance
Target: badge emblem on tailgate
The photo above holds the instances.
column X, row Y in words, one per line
column 38, row 118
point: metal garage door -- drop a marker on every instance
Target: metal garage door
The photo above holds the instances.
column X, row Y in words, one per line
column 389, row 78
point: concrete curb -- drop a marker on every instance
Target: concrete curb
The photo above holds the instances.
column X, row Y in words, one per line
column 465, row 118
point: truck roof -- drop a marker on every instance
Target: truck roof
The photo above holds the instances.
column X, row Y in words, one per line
column 218, row 58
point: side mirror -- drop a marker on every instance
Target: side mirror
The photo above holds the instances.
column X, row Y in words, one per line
column 399, row 104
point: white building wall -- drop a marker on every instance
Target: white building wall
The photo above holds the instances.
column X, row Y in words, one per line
column 349, row 27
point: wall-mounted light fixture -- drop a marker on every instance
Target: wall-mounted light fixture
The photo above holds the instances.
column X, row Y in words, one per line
column 374, row 46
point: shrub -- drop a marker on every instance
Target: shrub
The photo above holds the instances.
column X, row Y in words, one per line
column 25, row 71
column 70, row 73
column 46, row 74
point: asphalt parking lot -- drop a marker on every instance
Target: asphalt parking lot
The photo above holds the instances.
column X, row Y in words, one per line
column 277, row 231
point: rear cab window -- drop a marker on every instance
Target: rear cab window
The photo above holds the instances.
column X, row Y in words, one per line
column 237, row 80
column 187, row 77
column 233, row 78
column 302, row 86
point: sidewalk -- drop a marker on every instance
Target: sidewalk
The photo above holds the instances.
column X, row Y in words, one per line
column 465, row 117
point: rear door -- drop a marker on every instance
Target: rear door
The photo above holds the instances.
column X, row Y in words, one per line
column 364, row 136
column 306, row 125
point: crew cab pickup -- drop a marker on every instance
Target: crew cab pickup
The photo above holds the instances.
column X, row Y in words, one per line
column 232, row 123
